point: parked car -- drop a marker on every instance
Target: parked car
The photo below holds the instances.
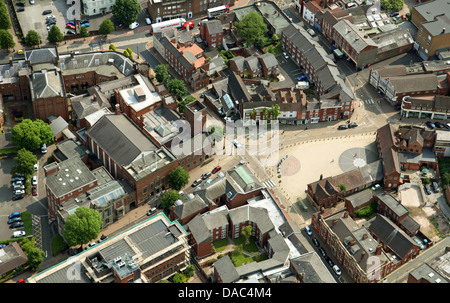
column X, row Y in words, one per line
column 34, row 191
column 17, row 197
column 70, row 26
column 16, row 224
column 92, row 244
column 36, row 166
column 308, row 230
column 236, row 143
column 394, row 14
column 430, row 124
column 435, row 187
column 83, row 21
column 85, row 24
column 44, row 149
column 17, row 183
column 134, row 25
column 18, row 187
column 447, row 125
column 439, row 124
column 352, row 125
column 20, row 9
column 376, row 186
column 196, row 182
column 322, row 252
column 419, row 243
column 427, row 189
column 216, row 169
column 343, row 126
column 19, row 192
column 47, row 12
column 18, row 234
column 50, row 22
column 316, row 242
column 14, row 214
column 34, row 181
column 302, row 78
column 15, row 219
column 206, row 175
column 148, row 21
column 311, row 32
column 20, row 3
column 202, row 95
column 71, row 32
column 329, row 261
column 15, row 179
column 71, row 22
column 336, row 270
column 207, row 182
column 285, row 55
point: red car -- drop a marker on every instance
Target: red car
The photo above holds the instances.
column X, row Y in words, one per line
column 34, row 191
column 71, row 26
column 216, row 169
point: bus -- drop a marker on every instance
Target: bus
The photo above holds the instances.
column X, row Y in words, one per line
column 217, row 11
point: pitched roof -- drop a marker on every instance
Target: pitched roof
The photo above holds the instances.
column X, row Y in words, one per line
column 213, row 26
column 414, row 83
column 121, row 139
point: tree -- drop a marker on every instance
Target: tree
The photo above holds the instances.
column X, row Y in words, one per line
column 5, row 23
column 343, row 187
column 84, row 32
column 126, row 11
column 169, row 199
column 247, row 233
column 112, row 47
column 182, row 104
column 32, row 38
column 32, row 134
column 275, row 111
column 128, row 53
column 35, row 257
column 162, row 73
column 82, row 226
column 392, row 5
column 178, row 178
column 55, row 35
column 177, row 88
column 106, row 27
column 252, row 28
column 6, row 40
column 25, row 162
column 190, row 271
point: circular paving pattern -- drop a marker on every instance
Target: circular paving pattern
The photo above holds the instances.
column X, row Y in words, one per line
column 354, row 158
column 290, row 166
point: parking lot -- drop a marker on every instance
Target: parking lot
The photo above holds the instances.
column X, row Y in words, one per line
column 32, row 19
column 289, row 70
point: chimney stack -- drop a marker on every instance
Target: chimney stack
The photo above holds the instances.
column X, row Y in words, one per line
column 379, row 248
column 346, row 214
column 443, row 30
column 117, row 109
column 365, row 236
column 335, row 222
column 363, row 253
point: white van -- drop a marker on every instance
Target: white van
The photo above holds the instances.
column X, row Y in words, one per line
column 18, row 234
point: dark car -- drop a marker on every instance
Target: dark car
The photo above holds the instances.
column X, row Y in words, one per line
column 439, row 124
column 316, row 242
column 71, row 32
column 302, row 78
column 47, row 11
column 352, row 125
column 15, row 219
column 343, row 126
column 20, row 3
column 83, row 21
column 206, row 176
column 427, row 189
column 15, row 179
column 196, row 182
column 21, row 9
column 329, row 261
column 216, row 169
column 16, row 224
column 50, row 21
column 322, row 252
column 17, row 197
column 435, row 187
column 430, row 124
column 394, row 14
column 34, row 191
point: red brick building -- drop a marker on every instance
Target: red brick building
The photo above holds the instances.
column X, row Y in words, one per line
column 212, row 33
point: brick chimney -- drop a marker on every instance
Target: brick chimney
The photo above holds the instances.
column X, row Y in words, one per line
column 365, row 236
column 335, row 222
column 117, row 109
column 363, row 254
column 346, row 214
column 141, row 122
column 379, row 249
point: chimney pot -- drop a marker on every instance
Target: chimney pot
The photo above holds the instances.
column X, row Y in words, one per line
column 363, row 253
column 117, row 109
column 346, row 214
column 378, row 251
column 365, row 236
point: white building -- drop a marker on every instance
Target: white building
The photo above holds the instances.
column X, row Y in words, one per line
column 310, row 9
column 97, row 7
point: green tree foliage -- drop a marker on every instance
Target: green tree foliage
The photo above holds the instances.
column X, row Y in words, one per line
column 25, row 162
column 31, row 134
column 178, row 178
column 106, row 27
column 392, row 5
column 177, row 88
column 6, row 40
column 343, row 187
column 82, row 226
column 366, row 211
column 182, row 104
column 5, row 23
column 126, row 11
column 252, row 28
column 35, row 257
column 274, row 111
column 55, row 35
column 84, row 32
column 112, row 47
column 247, row 233
column 162, row 73
column 169, row 199
column 128, row 53
column 32, row 38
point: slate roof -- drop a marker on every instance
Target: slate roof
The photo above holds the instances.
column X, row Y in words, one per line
column 312, row 269
column 414, row 83
column 353, row 36
column 226, row 270
column 431, row 9
column 391, row 235
column 47, row 84
column 385, row 136
column 121, row 139
column 213, row 26
column 43, row 55
column 254, row 214
column 58, row 125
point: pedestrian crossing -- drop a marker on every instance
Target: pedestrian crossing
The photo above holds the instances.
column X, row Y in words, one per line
column 269, row 184
column 369, row 101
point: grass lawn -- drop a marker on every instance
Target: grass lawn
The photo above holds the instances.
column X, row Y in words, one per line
column 26, row 218
column 251, row 248
column 220, row 245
